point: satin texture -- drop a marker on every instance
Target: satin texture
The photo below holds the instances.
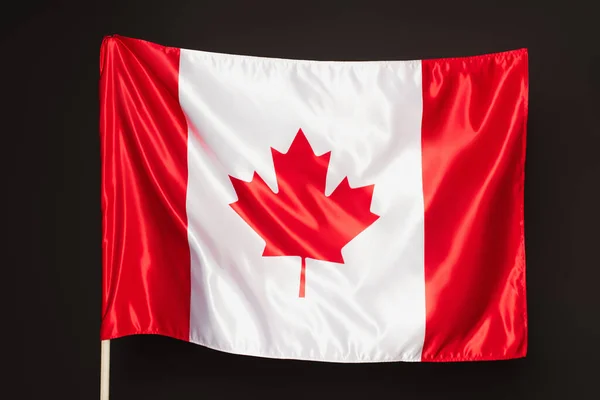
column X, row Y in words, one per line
column 146, row 256
column 329, row 211
column 474, row 137
column 305, row 207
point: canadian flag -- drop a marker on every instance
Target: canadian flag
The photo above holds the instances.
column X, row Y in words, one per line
column 341, row 211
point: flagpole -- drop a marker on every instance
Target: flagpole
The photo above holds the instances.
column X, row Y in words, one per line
column 104, row 369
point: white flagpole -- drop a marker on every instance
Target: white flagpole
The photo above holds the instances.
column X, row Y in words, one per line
column 104, row 369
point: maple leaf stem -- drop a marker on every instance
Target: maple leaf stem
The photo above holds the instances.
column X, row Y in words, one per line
column 303, row 277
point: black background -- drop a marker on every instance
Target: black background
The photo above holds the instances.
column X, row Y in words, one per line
column 49, row 68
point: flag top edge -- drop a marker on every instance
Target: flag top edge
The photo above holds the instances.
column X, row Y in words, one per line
column 507, row 54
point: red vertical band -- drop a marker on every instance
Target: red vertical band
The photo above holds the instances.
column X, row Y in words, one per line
column 473, row 147
column 146, row 256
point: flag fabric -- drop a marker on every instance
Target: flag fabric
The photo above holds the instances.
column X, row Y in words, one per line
column 339, row 211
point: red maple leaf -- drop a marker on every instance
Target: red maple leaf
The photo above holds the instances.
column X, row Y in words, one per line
column 299, row 220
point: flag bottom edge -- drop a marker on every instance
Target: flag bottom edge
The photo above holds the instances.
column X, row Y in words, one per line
column 252, row 353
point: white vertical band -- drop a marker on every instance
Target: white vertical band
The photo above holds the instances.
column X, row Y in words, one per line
column 368, row 115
